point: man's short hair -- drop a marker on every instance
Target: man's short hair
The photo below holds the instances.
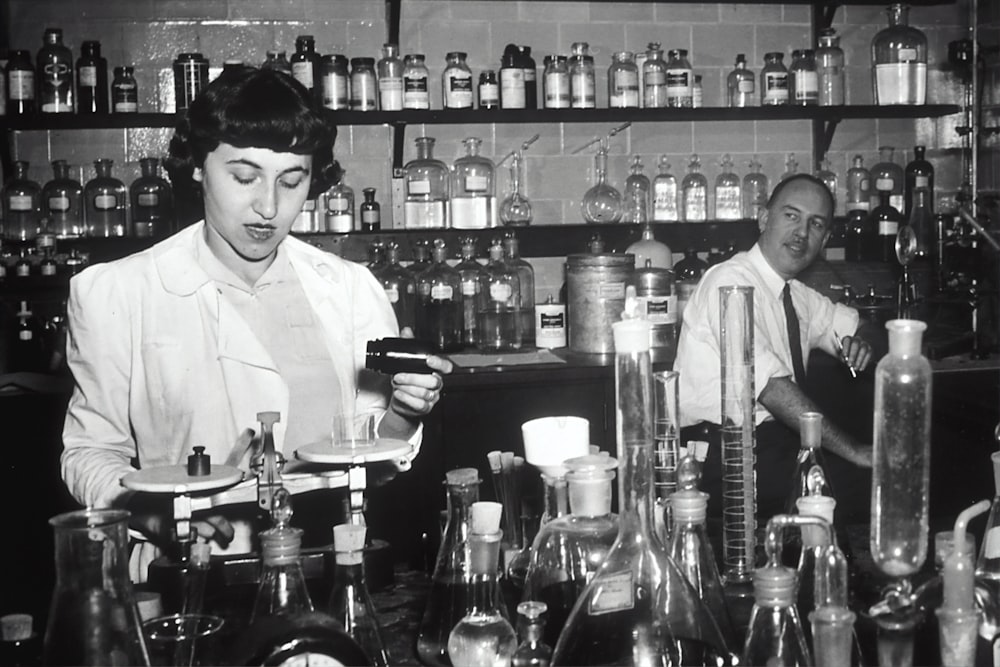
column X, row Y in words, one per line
column 795, row 178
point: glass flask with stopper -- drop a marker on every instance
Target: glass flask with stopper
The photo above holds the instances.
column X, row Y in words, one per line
column 515, row 209
column 350, row 602
column 532, row 651
column 638, row 607
column 665, row 194
column 498, row 320
column 775, row 636
column 21, row 205
column 526, row 280
column 152, row 201
column 439, row 306
column 637, row 186
column 602, row 202
column 427, row 189
column 471, row 273
column 694, row 193
column 104, row 199
column 399, row 286
column 899, row 60
column 473, row 193
column 568, row 550
column 727, row 192
column 62, row 202
column 755, row 191
column 93, row 619
column 449, row 597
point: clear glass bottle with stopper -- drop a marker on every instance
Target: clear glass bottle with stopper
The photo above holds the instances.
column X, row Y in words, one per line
column 741, row 86
column 471, row 272
column 602, row 203
column 427, row 189
column 775, row 635
column 637, row 186
column 104, row 198
column 532, row 651
column 694, row 189
column 582, row 84
column 350, row 602
column 473, row 190
column 858, row 186
column 498, row 320
column 439, row 306
column 526, row 281
column 62, row 202
column 899, row 60
column 665, row 194
column 21, row 205
column 727, row 192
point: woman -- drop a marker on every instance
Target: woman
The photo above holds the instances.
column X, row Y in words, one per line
column 184, row 343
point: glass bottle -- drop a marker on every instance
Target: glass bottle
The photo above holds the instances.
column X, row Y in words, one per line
column 450, row 595
column 399, row 286
column 680, row 79
column 637, row 186
column 727, row 192
column 336, row 82
column 93, row 619
column 390, row 79
column 741, row 85
column 306, row 63
column 21, row 205
column 569, row 549
column 91, row 79
column 774, row 80
column 888, row 176
column 791, row 167
column 473, row 193
column 152, row 201
column 829, row 178
column 526, row 278
column 532, row 651
column 439, row 306
column 489, row 90
column 512, row 93
column 810, row 476
column 804, row 88
column 667, row 431
column 421, row 257
column 415, row 78
column 499, row 321
column 427, row 189
column 830, row 69
column 775, row 633
column 654, row 78
column 886, row 221
column 124, row 91
column 277, row 60
column 665, row 194
column 20, row 83
column 456, row 82
column 62, row 202
column 697, row 92
column 688, row 272
column 350, row 602
column 55, row 74
column 339, row 213
column 649, row 252
column 371, row 212
column 901, row 452
column 921, row 221
column 582, row 84
column 364, row 86
column 919, row 173
column 623, row 81
column 515, row 209
column 602, row 203
column 855, row 236
column 483, row 636
column 638, row 603
column 104, row 201
column 899, row 60
column 858, row 186
column 530, row 77
column 755, row 191
column 694, row 189
column 691, row 549
column 471, row 273
column 556, row 82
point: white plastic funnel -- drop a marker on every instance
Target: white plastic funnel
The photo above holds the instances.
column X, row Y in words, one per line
column 548, row 441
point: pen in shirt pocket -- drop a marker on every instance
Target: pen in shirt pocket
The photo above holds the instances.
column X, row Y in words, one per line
column 840, row 348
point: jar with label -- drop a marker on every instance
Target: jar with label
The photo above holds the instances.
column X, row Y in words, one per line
column 415, row 76
column 124, row 91
column 489, row 90
column 886, row 219
column 858, row 186
column 582, row 80
column 555, row 83
column 190, row 77
column 680, row 80
column 887, row 176
column 755, row 191
column 774, row 80
column 654, row 78
column 62, row 202
column 803, row 79
column 91, row 79
column 471, row 272
column 336, row 82
column 305, row 64
column 427, row 189
column 665, row 194
column 21, row 204
column 456, row 82
column 371, row 212
column 55, row 74
column 899, row 60
column 473, row 194
column 339, row 213
column 512, row 93
column 694, row 193
column 390, row 79
column 623, row 81
column 20, row 83
column 550, row 324
column 830, row 69
column 104, row 199
column 363, row 87
column 439, row 304
column 499, row 320
column 530, row 77
column 919, row 174
column 727, row 192
column 152, row 201
column 741, row 86
column 277, row 60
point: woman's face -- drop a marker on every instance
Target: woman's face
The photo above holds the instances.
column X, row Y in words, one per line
column 252, row 196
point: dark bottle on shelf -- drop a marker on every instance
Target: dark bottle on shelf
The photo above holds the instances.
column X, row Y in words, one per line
column 439, row 305
column 687, row 272
column 886, row 221
column 399, row 286
column 305, row 64
column 21, row 205
column 530, row 78
column 55, row 74
column 856, row 236
column 62, row 202
column 104, row 200
column 124, row 91
column 152, row 201
column 919, row 173
column 511, row 78
column 489, row 90
column 20, row 83
column 91, row 79
column 371, row 212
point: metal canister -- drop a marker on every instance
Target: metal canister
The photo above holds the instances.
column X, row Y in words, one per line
column 190, row 77
column 655, row 290
column 595, row 288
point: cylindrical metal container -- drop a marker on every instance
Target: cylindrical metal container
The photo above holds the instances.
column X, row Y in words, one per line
column 595, row 285
column 655, row 289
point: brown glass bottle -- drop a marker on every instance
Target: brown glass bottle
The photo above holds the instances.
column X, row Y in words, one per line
column 371, row 212
column 91, row 79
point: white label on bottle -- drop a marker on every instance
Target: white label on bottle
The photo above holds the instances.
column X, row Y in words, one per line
column 557, row 90
column 149, row 199
column 582, row 94
column 922, row 182
column 906, row 55
column 418, row 187
column 625, row 89
column 512, row 88
column 457, row 90
column 500, row 292
column 727, row 202
column 21, row 85
column 470, row 212
column 105, row 202
column 392, row 293
column 679, row 89
column 303, row 73
column 424, row 215
column 614, row 592
column 883, row 184
column 469, row 287
column 24, row 334
column 901, row 83
column 337, row 204
column 339, row 223
column 489, row 95
column 442, row 292
column 659, row 309
column 887, row 227
column 390, row 93
column 88, row 76
column 746, row 85
column 19, row 202
column 58, row 203
column 550, row 325
column 611, row 291
column 776, row 87
column 370, row 217
column 476, row 183
column 415, row 95
column 806, row 86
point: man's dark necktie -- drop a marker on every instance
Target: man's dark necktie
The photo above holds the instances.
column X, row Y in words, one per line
column 794, row 337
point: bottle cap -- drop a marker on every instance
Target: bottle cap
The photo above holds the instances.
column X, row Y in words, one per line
column 689, row 506
column 280, row 546
column 15, row 627
column 462, row 476
column 149, row 604
column 486, row 517
column 349, row 543
column 811, row 429
column 532, row 609
column 774, row 586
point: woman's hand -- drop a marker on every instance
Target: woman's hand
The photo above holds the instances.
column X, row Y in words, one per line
column 415, row 394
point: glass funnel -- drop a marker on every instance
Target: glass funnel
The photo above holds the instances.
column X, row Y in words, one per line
column 602, row 203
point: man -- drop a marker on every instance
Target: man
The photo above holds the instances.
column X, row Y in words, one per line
column 795, row 227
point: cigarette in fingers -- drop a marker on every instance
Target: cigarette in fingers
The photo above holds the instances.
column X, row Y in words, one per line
column 840, row 348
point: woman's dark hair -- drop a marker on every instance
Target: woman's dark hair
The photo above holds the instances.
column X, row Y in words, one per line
column 251, row 107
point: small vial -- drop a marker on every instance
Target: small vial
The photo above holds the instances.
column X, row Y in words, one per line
column 489, row 90
column 774, row 80
column 456, row 82
column 363, row 87
column 415, row 77
column 336, row 82
column 124, row 91
column 371, row 214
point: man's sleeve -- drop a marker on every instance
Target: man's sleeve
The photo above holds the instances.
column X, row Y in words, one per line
column 827, row 321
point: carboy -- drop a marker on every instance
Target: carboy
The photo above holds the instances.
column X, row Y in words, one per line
column 350, row 602
column 602, row 202
column 426, row 189
column 899, row 60
column 473, row 194
column 694, row 193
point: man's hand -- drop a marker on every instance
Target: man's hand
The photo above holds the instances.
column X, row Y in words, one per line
column 860, row 456
column 856, row 353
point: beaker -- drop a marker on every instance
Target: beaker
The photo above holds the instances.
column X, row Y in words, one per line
column 93, row 619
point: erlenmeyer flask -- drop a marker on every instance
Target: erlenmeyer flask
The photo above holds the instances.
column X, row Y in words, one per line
column 350, row 601
column 93, row 619
column 775, row 636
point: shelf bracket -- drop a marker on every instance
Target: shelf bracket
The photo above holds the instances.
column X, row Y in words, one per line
column 398, row 143
column 823, row 131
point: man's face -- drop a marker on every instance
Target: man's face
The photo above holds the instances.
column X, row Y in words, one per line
column 795, row 228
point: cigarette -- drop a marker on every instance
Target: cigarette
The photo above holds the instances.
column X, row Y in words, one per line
column 840, row 348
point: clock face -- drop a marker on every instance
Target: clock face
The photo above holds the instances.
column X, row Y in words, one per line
column 311, row 660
